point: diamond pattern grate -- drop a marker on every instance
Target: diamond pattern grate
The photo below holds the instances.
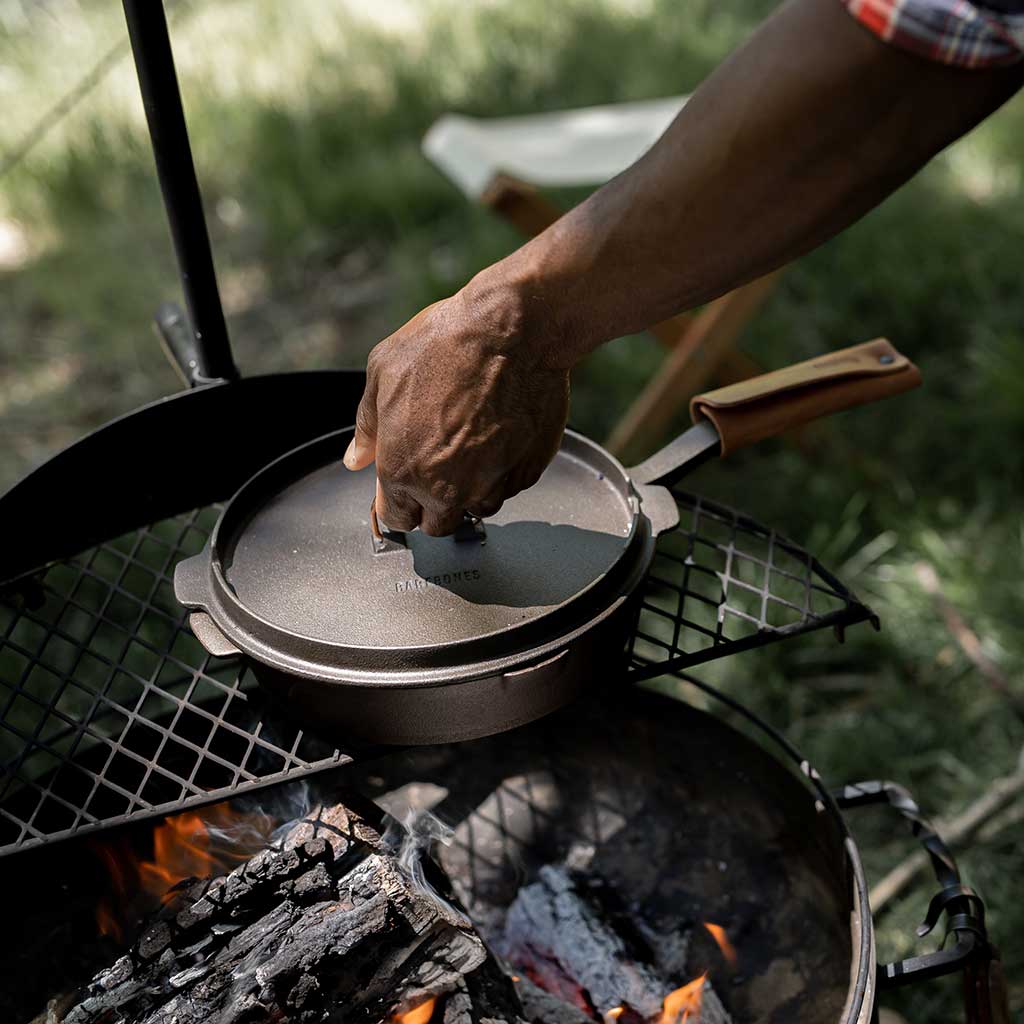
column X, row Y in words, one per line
column 109, row 707
column 110, row 710
column 721, row 582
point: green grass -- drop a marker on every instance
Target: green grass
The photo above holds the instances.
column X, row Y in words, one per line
column 330, row 229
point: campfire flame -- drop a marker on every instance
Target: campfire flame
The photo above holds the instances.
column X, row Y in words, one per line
column 419, row 1014
column 181, row 849
column 717, row 932
column 684, row 1003
column 193, row 844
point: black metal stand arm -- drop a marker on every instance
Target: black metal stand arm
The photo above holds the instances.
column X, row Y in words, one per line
column 209, row 359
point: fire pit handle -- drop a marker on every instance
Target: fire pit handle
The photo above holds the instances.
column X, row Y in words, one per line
column 984, row 989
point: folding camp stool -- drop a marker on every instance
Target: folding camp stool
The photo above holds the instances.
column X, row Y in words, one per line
column 503, row 163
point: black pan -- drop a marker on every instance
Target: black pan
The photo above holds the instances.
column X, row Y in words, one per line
column 406, row 638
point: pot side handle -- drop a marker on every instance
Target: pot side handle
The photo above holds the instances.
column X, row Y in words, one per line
column 208, row 633
column 767, row 405
column 192, row 590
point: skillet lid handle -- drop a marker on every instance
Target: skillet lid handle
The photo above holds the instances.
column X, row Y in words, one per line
column 765, row 406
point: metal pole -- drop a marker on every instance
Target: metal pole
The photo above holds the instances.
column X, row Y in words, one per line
column 154, row 62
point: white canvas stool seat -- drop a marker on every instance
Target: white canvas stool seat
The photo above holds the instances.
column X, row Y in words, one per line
column 568, row 147
column 504, row 162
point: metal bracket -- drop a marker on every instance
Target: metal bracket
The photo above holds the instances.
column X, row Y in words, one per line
column 161, row 99
column 963, row 907
column 182, row 348
column 470, row 529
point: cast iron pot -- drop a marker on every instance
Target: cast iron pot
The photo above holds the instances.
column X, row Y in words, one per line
column 406, row 638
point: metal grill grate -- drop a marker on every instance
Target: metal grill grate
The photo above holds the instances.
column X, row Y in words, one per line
column 110, row 710
column 721, row 582
column 109, row 707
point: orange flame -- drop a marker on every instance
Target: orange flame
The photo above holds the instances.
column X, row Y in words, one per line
column 718, row 934
column 419, row 1014
column 684, row 1003
column 106, row 921
column 609, row 1016
column 193, row 844
column 107, row 924
column 181, row 849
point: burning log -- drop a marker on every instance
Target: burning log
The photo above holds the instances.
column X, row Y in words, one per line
column 539, row 1005
column 568, row 945
column 342, row 921
column 325, row 925
column 564, row 945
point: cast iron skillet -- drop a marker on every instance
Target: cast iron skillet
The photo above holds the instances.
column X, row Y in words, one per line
column 405, row 638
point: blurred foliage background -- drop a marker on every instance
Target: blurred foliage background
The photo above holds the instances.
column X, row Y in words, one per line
column 330, row 229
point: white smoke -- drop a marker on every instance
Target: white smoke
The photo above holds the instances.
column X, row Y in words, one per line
column 411, row 840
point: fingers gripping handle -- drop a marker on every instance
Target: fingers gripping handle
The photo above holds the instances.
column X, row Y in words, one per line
column 385, row 540
column 764, row 406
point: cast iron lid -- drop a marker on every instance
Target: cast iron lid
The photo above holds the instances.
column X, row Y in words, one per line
column 295, row 576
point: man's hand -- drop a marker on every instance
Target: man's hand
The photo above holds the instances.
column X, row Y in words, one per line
column 804, row 129
column 459, row 412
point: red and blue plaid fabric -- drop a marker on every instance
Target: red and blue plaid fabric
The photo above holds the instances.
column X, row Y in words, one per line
column 968, row 35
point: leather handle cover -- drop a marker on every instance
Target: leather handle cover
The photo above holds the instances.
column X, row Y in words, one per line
column 764, row 406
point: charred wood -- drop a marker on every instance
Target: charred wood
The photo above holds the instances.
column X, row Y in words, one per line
column 335, row 924
column 583, row 958
column 564, row 944
column 323, row 927
column 541, row 1006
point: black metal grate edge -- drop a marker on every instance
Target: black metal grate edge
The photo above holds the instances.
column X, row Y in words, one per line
column 721, row 582
column 111, row 711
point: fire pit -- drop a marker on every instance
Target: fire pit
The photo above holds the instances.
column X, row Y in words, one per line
column 612, row 861
column 663, row 819
column 628, row 858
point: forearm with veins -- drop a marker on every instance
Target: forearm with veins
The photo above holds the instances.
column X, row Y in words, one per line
column 799, row 133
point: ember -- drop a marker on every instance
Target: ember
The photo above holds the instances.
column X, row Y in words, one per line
column 419, row 1014
column 717, row 932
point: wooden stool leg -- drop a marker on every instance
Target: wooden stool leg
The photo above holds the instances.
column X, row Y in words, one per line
column 519, row 203
column 690, row 364
column 672, row 331
column 735, row 366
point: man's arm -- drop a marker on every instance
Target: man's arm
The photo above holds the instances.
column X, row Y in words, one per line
column 800, row 132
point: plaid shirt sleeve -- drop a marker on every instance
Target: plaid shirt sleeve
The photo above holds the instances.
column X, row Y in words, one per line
column 957, row 32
